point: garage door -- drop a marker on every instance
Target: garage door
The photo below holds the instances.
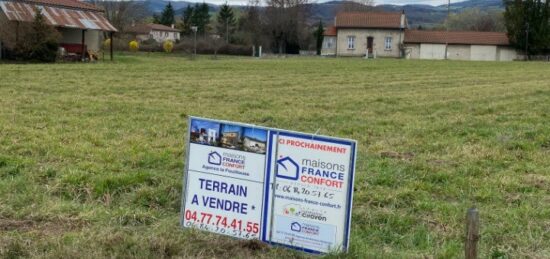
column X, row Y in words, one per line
column 432, row 51
column 483, row 53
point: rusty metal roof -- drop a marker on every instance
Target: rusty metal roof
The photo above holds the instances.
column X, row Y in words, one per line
column 58, row 16
column 457, row 37
column 74, row 4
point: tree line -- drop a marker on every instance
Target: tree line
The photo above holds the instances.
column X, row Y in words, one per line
column 286, row 26
column 282, row 25
column 528, row 25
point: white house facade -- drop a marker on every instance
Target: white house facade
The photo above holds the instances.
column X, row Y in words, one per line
column 158, row 32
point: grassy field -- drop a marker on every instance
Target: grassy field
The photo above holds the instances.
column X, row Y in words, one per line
column 91, row 154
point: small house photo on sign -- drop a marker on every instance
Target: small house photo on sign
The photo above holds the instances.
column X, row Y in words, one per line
column 205, row 132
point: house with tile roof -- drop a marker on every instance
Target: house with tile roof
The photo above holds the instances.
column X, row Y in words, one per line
column 158, row 32
column 366, row 33
column 82, row 25
column 382, row 34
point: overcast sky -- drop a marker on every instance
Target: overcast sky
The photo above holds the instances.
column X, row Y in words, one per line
column 396, row 2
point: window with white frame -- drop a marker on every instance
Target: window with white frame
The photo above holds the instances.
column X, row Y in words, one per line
column 351, row 42
column 329, row 43
column 387, row 43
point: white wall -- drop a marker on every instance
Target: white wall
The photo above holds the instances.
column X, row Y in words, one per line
column 92, row 37
column 483, row 53
column 329, row 46
column 432, row 51
column 412, row 51
column 507, row 54
column 459, row 52
column 162, row 36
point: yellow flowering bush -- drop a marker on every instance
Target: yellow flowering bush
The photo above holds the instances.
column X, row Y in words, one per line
column 133, row 46
column 107, row 44
column 168, row 46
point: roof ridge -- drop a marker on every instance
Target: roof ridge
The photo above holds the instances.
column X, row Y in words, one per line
column 75, row 4
column 369, row 20
column 416, row 30
column 368, row 12
column 457, row 37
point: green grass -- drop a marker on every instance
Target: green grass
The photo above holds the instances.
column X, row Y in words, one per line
column 91, row 155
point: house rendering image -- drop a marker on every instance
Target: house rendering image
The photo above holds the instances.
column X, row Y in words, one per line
column 381, row 34
column 230, row 139
column 254, row 145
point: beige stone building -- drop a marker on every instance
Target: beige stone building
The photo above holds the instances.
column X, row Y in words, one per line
column 374, row 35
column 379, row 34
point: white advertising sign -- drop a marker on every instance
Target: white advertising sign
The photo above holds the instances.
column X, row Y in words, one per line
column 281, row 187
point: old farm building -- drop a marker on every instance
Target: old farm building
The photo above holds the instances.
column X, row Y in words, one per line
column 81, row 25
column 387, row 35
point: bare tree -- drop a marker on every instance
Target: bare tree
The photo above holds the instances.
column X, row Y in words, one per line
column 474, row 19
column 355, row 6
column 121, row 14
column 250, row 24
column 286, row 23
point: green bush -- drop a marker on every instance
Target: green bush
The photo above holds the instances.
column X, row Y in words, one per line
column 40, row 42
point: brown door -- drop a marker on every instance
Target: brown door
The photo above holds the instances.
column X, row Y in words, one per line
column 370, row 41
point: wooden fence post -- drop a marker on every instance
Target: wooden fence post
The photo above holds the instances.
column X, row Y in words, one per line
column 472, row 233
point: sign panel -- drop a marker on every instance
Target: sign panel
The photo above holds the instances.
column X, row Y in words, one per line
column 282, row 187
column 224, row 178
column 311, row 188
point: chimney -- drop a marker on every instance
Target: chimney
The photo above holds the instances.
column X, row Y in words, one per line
column 403, row 20
column 172, row 26
column 133, row 23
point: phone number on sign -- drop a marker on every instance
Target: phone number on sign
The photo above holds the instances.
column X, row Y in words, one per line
column 221, row 224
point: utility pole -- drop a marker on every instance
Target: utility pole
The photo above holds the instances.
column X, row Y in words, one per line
column 527, row 41
column 194, row 29
column 447, row 34
column 227, row 31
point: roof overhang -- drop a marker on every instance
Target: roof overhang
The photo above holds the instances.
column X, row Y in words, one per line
column 57, row 16
column 369, row 27
column 456, row 38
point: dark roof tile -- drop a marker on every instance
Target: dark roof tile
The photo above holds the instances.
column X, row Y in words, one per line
column 330, row 31
column 457, row 37
column 368, row 20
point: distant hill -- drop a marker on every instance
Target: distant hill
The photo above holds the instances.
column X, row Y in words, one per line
column 417, row 14
column 482, row 4
column 156, row 6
